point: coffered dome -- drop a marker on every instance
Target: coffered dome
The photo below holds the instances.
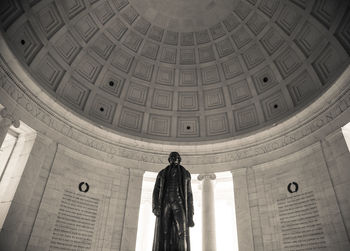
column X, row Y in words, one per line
column 194, row 70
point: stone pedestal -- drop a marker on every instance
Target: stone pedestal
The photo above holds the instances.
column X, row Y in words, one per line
column 208, row 212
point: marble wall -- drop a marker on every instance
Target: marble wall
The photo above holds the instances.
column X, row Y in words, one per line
column 68, row 200
column 24, row 206
column 48, row 195
column 337, row 158
column 87, row 204
column 297, row 202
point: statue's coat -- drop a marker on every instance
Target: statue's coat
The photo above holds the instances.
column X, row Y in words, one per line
column 157, row 200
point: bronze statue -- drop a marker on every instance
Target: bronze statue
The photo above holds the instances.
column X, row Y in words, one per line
column 172, row 203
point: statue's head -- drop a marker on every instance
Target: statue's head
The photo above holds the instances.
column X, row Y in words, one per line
column 174, row 157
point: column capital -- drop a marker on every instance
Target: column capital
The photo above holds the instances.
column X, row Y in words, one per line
column 206, row 176
column 5, row 114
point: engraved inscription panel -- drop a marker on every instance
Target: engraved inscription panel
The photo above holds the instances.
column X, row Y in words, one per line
column 300, row 222
column 75, row 223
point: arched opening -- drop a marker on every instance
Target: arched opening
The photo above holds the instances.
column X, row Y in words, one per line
column 226, row 234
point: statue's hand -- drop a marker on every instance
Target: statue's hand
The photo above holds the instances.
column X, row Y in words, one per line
column 156, row 212
column 191, row 223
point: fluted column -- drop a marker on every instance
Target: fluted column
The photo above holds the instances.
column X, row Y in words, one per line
column 6, row 120
column 208, row 212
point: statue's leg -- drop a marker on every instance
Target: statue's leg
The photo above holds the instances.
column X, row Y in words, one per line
column 166, row 226
column 180, row 221
column 173, row 236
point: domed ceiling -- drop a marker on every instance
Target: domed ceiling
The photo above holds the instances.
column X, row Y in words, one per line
column 181, row 70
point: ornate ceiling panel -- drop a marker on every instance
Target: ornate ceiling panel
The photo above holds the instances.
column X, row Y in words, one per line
column 181, row 70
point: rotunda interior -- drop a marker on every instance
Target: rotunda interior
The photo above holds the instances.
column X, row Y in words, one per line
column 95, row 94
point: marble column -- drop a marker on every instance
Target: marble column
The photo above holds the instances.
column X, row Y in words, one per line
column 131, row 214
column 208, row 212
column 6, row 120
column 243, row 217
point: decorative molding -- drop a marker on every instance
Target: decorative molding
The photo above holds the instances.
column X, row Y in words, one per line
column 132, row 41
column 129, row 14
column 187, row 39
column 242, row 9
column 206, row 54
column 269, row 7
column 224, row 47
column 288, row 19
column 309, row 39
column 143, row 70
column 73, row 8
column 150, row 50
column 86, row 27
column 257, row 23
column 67, row 47
column 272, row 41
column 246, row 117
column 274, row 105
column 117, row 29
column 10, row 11
column 142, row 25
column 187, row 56
column 231, row 22
column 188, row 127
column 162, row 100
column 27, row 42
column 171, row 38
column 49, row 19
column 165, row 76
column 131, row 119
column 104, row 12
column 202, row 37
column 207, row 176
column 253, row 56
column 213, row 98
column 217, row 124
column 239, row 91
column 168, row 55
column 217, row 31
column 156, row 33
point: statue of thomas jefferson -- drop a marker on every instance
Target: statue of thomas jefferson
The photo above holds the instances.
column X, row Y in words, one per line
column 172, row 203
